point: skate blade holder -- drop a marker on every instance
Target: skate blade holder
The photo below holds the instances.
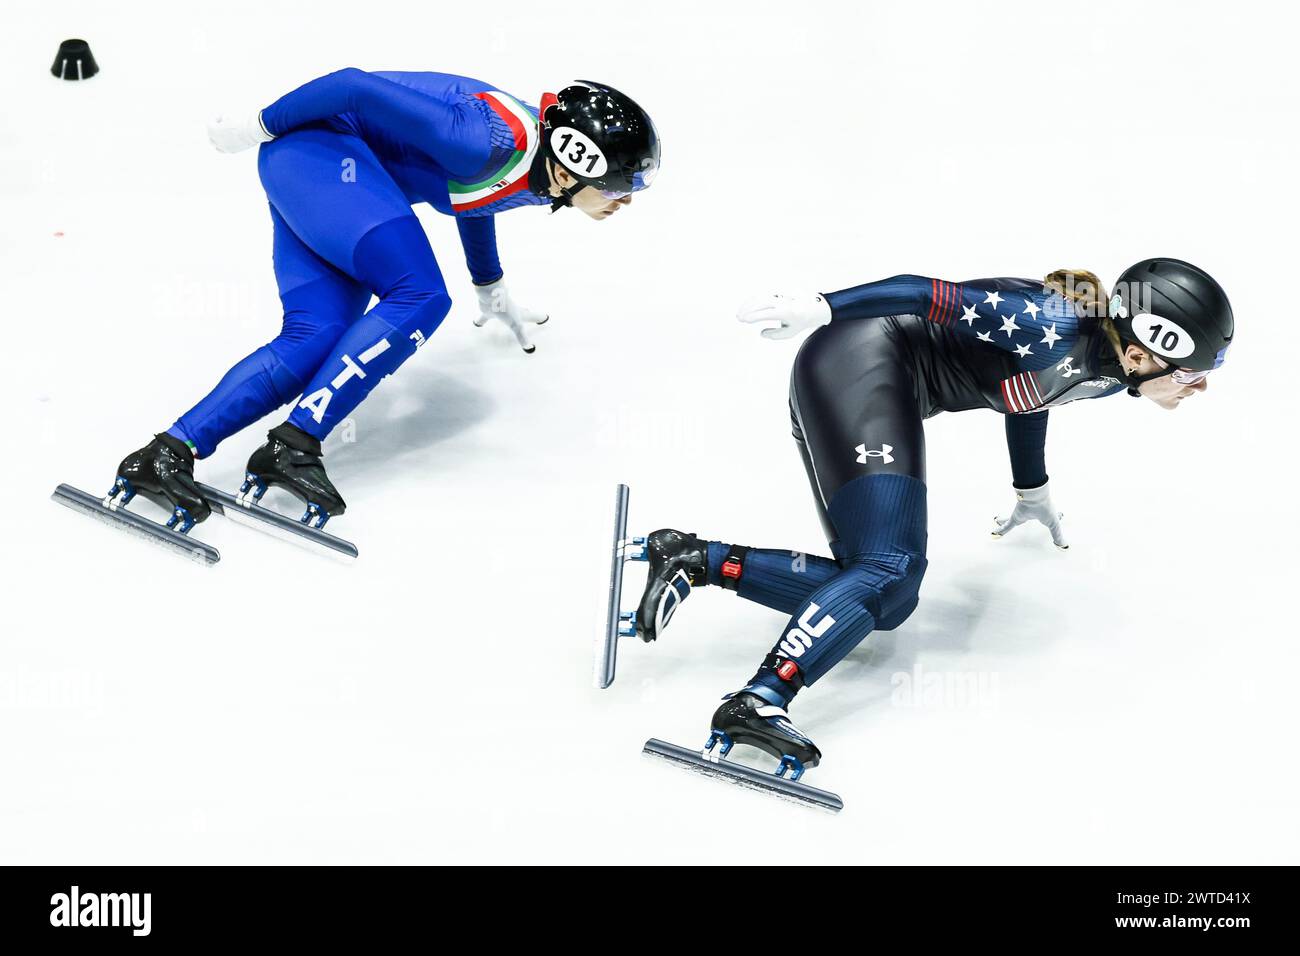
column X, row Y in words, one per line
column 714, row 764
column 618, row 623
column 251, row 491
column 250, row 496
column 788, row 763
column 179, row 521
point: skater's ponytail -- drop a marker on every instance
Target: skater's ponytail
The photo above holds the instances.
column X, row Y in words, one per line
column 1090, row 297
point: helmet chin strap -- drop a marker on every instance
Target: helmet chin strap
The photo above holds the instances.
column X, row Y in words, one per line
column 565, row 198
column 1135, row 381
column 541, row 180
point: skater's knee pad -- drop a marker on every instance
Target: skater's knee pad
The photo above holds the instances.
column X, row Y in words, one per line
column 881, row 521
column 891, row 583
column 314, row 321
column 296, row 359
column 424, row 319
column 394, row 260
column 307, row 333
column 412, row 326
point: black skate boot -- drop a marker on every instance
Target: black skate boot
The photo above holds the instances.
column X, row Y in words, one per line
column 746, row 718
column 162, row 471
column 678, row 562
column 291, row 460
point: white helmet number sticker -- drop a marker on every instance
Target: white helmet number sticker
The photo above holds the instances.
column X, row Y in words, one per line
column 1162, row 336
column 576, row 151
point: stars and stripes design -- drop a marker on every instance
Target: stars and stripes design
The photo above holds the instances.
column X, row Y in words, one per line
column 1037, row 328
column 945, row 301
column 1021, row 392
column 1029, row 325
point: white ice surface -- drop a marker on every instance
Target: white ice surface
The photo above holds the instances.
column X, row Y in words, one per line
column 433, row 701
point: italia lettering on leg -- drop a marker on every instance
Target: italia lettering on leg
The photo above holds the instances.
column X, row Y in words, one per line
column 372, row 353
column 318, row 401
column 350, row 370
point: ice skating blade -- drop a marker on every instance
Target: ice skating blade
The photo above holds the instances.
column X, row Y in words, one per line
column 609, row 651
column 135, row 524
column 744, row 776
column 266, row 519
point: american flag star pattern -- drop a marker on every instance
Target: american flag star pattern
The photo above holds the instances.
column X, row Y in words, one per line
column 1037, row 328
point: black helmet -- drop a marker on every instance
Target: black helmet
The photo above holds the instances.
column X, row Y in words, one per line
column 600, row 136
column 1174, row 310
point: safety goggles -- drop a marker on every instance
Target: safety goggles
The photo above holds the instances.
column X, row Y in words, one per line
column 1183, row 376
column 640, row 180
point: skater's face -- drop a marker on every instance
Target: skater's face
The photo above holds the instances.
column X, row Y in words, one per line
column 598, row 206
column 589, row 199
column 1164, row 391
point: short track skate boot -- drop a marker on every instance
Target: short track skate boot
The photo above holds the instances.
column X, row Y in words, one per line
column 745, row 718
column 162, row 471
column 678, row 562
column 291, row 459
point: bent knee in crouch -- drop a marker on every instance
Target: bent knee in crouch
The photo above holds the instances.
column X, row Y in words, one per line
column 891, row 584
column 425, row 315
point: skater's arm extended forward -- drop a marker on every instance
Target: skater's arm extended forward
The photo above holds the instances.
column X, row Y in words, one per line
column 901, row 295
column 1015, row 315
column 456, row 139
column 898, row 295
column 979, row 309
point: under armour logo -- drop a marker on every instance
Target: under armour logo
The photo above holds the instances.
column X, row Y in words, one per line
column 1067, row 368
column 882, row 453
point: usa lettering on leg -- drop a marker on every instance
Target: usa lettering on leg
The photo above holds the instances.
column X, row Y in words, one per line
column 799, row 638
column 318, row 401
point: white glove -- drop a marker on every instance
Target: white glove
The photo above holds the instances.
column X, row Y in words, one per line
column 230, row 135
column 1035, row 504
column 794, row 313
column 494, row 302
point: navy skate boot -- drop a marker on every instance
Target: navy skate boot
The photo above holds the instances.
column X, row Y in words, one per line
column 678, row 562
column 745, row 718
